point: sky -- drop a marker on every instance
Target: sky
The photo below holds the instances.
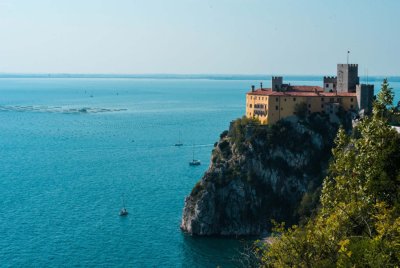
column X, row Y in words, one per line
column 199, row 36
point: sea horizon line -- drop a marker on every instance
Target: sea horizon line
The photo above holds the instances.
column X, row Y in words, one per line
column 177, row 76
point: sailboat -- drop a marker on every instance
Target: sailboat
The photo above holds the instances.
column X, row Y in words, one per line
column 194, row 162
column 123, row 211
column 179, row 143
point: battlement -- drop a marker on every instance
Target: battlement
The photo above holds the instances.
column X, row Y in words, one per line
column 367, row 86
column 350, row 66
column 330, row 79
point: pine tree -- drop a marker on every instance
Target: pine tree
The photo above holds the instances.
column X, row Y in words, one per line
column 384, row 101
column 386, row 94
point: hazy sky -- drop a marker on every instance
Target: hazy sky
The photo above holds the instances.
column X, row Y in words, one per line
column 199, row 36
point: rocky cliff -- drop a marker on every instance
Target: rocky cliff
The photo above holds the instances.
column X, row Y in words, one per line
column 258, row 173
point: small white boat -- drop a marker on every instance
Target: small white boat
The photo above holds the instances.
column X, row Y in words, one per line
column 123, row 211
column 194, row 162
column 179, row 143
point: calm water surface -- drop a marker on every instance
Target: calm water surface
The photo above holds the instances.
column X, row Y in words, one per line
column 71, row 148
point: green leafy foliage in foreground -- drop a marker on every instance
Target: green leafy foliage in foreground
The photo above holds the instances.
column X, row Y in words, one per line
column 384, row 106
column 358, row 223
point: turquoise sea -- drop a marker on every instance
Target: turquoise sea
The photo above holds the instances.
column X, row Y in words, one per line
column 70, row 148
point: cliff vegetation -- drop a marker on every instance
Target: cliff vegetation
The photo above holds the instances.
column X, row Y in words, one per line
column 358, row 220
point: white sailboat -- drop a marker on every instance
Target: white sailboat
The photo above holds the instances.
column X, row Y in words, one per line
column 179, row 143
column 123, row 211
column 194, row 162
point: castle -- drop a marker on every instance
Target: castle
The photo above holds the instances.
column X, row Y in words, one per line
column 280, row 101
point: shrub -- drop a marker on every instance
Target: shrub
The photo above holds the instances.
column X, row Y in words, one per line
column 197, row 189
column 223, row 134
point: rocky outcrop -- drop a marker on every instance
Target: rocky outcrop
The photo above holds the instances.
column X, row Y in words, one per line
column 258, row 173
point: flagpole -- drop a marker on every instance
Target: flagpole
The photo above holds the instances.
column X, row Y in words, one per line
column 348, row 52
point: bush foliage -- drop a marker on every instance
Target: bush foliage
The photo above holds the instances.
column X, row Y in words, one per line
column 358, row 222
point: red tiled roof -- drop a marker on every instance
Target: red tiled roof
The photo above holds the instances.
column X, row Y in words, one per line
column 301, row 91
column 306, row 88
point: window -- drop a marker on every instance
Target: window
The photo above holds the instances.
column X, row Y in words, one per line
column 331, row 100
column 276, row 108
column 351, row 106
column 327, row 85
column 322, row 106
column 285, row 99
column 309, row 106
column 322, row 99
column 294, row 99
column 251, row 105
column 351, row 100
column 277, row 99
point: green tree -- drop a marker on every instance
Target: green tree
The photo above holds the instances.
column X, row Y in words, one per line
column 386, row 94
column 384, row 101
column 358, row 222
column 238, row 130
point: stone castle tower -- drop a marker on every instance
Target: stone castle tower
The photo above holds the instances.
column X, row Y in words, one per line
column 365, row 97
column 277, row 82
column 347, row 77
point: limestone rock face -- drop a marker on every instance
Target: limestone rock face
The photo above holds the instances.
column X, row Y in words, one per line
column 259, row 173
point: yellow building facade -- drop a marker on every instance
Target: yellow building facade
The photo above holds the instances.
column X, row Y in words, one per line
column 270, row 106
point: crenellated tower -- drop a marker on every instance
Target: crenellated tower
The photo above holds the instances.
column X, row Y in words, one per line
column 347, row 78
column 277, row 83
column 330, row 83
